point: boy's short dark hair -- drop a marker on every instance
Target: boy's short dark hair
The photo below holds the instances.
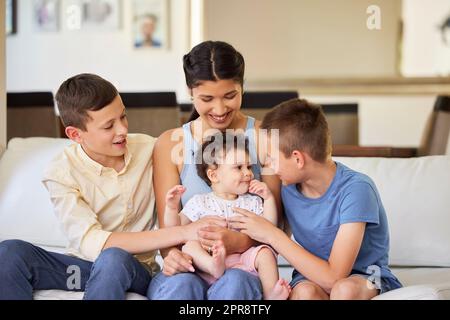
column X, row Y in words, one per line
column 80, row 94
column 223, row 141
column 302, row 126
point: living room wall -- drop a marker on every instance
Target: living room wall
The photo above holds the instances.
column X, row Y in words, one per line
column 39, row 60
column 289, row 40
column 306, row 38
column 2, row 80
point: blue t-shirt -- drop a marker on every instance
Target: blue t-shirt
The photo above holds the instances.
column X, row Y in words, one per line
column 351, row 197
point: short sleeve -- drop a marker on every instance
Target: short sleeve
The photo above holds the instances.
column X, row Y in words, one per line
column 360, row 204
column 259, row 206
column 191, row 208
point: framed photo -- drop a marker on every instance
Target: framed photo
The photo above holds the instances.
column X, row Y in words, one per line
column 151, row 24
column 11, row 17
column 100, row 15
column 46, row 15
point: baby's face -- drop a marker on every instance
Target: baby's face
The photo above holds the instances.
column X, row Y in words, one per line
column 235, row 173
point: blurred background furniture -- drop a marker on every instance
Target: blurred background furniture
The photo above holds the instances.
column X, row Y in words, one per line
column 436, row 139
column 151, row 113
column 343, row 123
column 184, row 112
column 31, row 114
column 257, row 103
column 342, row 150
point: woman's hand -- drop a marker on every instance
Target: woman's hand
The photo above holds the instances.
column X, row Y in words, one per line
column 261, row 189
column 210, row 221
column 256, row 227
column 234, row 241
column 214, row 235
column 177, row 262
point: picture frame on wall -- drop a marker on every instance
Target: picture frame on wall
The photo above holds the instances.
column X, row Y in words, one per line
column 92, row 15
column 101, row 15
column 46, row 15
column 11, row 17
column 151, row 24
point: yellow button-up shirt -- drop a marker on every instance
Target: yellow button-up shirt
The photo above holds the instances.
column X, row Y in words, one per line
column 92, row 201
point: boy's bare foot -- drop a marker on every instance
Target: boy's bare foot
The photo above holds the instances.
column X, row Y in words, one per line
column 218, row 265
column 280, row 291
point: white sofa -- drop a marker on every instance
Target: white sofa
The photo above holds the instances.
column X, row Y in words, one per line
column 415, row 193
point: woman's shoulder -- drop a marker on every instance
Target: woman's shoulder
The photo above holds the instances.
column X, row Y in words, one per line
column 257, row 124
column 170, row 138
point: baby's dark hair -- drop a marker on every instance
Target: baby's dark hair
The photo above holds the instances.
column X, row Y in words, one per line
column 215, row 146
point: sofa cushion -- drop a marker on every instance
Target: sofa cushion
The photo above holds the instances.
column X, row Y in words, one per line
column 25, row 209
column 420, row 284
column 422, row 276
column 420, row 292
column 416, row 195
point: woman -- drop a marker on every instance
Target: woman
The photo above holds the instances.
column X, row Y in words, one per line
column 214, row 74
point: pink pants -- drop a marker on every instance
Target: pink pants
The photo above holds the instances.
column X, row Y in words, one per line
column 244, row 261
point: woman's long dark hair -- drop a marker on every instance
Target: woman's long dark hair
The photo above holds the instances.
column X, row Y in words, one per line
column 213, row 61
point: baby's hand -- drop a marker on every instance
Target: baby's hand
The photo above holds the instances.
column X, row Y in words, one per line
column 173, row 196
column 261, row 189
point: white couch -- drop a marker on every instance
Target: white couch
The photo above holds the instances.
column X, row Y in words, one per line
column 415, row 193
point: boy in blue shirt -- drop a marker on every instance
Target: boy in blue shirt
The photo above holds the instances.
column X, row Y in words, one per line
column 336, row 215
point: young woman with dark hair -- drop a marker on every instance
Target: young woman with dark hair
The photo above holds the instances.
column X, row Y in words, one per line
column 214, row 73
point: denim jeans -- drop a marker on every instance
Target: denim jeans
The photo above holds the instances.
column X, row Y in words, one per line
column 235, row 284
column 25, row 267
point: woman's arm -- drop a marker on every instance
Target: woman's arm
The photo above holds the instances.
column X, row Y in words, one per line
column 345, row 249
column 165, row 175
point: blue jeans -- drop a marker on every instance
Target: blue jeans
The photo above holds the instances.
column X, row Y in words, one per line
column 235, row 284
column 25, row 267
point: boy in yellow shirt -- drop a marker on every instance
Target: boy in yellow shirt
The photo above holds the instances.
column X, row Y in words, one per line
column 101, row 189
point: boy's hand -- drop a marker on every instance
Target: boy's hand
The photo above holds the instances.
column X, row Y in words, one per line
column 256, row 227
column 173, row 197
column 261, row 189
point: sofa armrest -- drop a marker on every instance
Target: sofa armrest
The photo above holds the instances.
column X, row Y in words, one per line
column 439, row 291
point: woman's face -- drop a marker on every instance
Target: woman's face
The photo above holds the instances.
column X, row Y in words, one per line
column 217, row 102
